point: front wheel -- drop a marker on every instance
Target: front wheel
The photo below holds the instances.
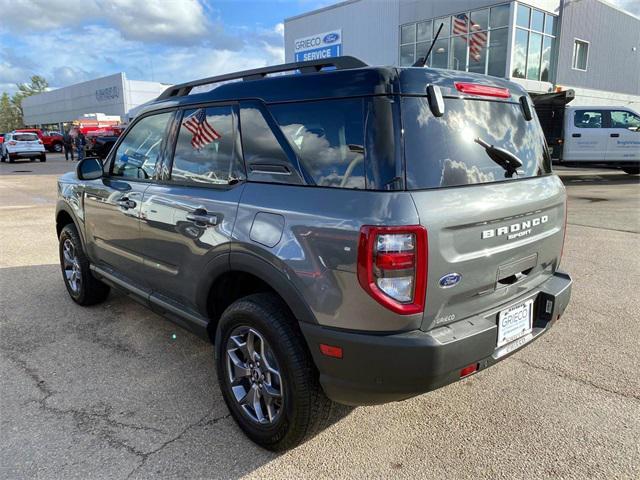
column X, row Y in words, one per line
column 266, row 375
column 57, row 147
column 82, row 286
column 632, row 170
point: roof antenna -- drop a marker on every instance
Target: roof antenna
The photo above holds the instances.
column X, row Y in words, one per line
column 423, row 61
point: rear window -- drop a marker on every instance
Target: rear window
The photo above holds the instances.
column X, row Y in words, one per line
column 444, row 151
column 25, row 137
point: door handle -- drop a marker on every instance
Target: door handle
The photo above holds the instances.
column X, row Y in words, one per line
column 126, row 203
column 201, row 217
column 576, row 135
column 615, row 135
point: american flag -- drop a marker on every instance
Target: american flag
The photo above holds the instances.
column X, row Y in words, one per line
column 203, row 133
column 477, row 39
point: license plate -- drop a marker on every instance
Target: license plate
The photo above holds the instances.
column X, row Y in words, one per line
column 515, row 322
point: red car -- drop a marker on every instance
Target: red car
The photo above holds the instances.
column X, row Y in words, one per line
column 52, row 142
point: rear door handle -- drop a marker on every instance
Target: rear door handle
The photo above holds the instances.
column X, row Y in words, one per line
column 126, row 203
column 202, row 217
column 615, row 135
column 576, row 135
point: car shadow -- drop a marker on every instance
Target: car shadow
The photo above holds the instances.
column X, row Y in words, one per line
column 124, row 392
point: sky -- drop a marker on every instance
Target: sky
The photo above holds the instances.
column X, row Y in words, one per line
column 169, row 41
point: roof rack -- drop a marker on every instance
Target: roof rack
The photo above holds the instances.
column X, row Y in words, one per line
column 312, row 66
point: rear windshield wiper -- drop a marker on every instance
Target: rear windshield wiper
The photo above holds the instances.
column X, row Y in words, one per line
column 502, row 157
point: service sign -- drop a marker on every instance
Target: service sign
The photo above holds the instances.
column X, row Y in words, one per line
column 319, row 46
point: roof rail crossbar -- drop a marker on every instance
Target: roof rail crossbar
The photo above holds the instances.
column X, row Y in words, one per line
column 312, row 66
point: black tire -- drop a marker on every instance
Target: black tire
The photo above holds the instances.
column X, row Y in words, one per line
column 90, row 290
column 57, row 147
column 305, row 409
column 43, row 157
column 632, row 170
column 11, row 160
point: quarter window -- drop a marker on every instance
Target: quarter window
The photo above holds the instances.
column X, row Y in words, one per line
column 138, row 153
column 588, row 119
column 328, row 138
column 206, row 151
column 580, row 55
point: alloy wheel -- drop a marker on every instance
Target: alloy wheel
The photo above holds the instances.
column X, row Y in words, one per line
column 254, row 375
column 71, row 266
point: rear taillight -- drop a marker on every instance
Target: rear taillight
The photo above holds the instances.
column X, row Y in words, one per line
column 12, row 143
column 40, row 142
column 484, row 90
column 392, row 266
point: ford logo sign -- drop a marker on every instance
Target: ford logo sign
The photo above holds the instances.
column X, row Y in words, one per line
column 450, row 280
column 331, row 38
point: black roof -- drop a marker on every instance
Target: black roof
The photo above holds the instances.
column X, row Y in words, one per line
column 321, row 79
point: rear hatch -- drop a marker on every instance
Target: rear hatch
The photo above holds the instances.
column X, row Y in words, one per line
column 25, row 142
column 495, row 231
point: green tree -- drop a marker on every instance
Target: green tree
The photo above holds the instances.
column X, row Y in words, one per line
column 9, row 117
column 38, row 85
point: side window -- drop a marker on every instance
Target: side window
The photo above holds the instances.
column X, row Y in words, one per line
column 138, row 153
column 328, row 138
column 264, row 155
column 624, row 119
column 206, row 150
column 588, row 119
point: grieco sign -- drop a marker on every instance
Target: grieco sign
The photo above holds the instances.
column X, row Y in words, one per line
column 106, row 94
column 319, row 46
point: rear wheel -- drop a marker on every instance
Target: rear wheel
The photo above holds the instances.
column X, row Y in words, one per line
column 43, row 157
column 82, row 286
column 266, row 375
column 57, row 147
column 632, row 170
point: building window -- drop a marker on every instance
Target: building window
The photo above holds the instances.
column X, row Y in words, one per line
column 473, row 41
column 580, row 54
column 533, row 48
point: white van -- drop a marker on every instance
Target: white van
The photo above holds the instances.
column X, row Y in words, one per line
column 602, row 135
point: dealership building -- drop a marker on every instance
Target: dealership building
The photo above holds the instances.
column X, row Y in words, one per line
column 589, row 46
column 111, row 95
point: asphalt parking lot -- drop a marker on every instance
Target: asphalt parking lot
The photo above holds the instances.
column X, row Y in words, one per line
column 115, row 391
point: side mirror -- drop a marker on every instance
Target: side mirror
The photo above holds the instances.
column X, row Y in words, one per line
column 89, row 168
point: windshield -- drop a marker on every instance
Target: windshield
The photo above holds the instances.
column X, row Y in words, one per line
column 25, row 137
column 455, row 149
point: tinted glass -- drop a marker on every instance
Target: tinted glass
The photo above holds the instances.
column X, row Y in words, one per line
column 138, row 153
column 588, row 119
column 550, row 24
column 446, row 26
column 520, row 53
column 424, row 31
column 545, row 67
column 624, row 119
column 206, row 147
column 328, row 138
column 479, row 20
column 408, row 33
column 441, row 151
column 497, row 52
column 522, row 17
column 406, row 55
column 263, row 154
column 458, row 59
column 25, row 137
column 440, row 54
column 533, row 57
column 537, row 20
column 499, row 16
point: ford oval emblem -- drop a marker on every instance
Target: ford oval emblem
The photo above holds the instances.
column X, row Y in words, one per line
column 450, row 280
column 331, row 37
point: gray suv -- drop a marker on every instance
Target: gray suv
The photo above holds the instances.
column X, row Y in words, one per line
column 343, row 233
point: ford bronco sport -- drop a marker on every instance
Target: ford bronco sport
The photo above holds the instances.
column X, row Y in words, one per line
column 343, row 233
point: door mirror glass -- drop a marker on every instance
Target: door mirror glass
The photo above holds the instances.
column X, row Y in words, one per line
column 89, row 168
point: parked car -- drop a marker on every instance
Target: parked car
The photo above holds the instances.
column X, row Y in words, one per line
column 99, row 146
column 52, row 142
column 19, row 145
column 345, row 233
column 599, row 136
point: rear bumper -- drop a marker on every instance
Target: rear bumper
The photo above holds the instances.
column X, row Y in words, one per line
column 33, row 154
column 383, row 368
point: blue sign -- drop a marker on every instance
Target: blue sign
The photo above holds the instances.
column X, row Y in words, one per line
column 319, row 53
